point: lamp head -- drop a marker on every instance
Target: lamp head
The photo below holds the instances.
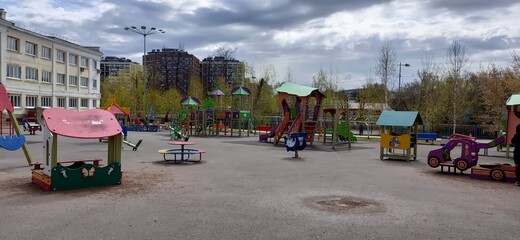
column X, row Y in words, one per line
column 407, row 65
column 143, row 27
column 133, row 27
column 126, row 28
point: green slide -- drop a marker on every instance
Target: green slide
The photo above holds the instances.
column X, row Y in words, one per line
column 344, row 132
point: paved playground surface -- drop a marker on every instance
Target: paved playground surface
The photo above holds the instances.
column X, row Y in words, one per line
column 244, row 189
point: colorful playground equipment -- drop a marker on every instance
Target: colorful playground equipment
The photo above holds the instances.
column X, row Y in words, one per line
column 52, row 174
column 469, row 150
column 296, row 142
column 13, row 140
column 468, row 157
column 297, row 118
column 339, row 128
column 207, row 120
column 122, row 114
column 513, row 119
column 31, row 126
column 398, row 131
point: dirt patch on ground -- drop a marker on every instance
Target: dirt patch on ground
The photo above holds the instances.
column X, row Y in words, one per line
column 133, row 182
column 345, row 204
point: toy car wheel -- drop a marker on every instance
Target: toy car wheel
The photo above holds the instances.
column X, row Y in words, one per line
column 434, row 162
column 497, row 175
column 462, row 165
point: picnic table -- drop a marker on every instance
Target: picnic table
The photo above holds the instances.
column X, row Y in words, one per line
column 183, row 152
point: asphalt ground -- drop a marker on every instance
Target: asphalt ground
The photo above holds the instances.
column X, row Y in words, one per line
column 244, row 189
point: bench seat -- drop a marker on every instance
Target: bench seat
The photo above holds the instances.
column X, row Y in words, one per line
column 177, row 151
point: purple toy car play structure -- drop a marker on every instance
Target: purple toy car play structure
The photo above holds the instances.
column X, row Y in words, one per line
column 468, row 157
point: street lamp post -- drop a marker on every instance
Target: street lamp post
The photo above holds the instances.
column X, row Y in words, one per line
column 399, row 85
column 143, row 31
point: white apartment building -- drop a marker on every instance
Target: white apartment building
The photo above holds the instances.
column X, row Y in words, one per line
column 41, row 71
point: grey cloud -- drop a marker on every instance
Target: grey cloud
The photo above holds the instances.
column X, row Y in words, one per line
column 471, row 5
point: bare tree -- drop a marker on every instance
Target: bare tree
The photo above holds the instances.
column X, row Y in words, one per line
column 226, row 53
column 457, row 61
column 385, row 67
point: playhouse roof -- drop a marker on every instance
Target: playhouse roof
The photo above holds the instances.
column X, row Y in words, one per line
column 399, row 118
column 190, row 101
column 513, row 100
column 94, row 123
column 298, row 90
column 241, row 91
column 115, row 109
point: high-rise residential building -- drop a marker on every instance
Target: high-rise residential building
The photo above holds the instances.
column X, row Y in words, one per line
column 110, row 65
column 176, row 68
column 41, row 71
column 212, row 68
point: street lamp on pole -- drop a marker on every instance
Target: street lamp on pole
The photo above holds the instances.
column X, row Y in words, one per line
column 144, row 31
column 399, row 85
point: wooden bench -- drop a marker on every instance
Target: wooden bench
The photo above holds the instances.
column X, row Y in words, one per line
column 38, row 165
column 95, row 162
column 177, row 151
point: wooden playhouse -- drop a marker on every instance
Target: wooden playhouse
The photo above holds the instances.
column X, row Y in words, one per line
column 54, row 174
column 398, row 130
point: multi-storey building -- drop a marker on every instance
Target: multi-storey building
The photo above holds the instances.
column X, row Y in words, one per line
column 41, row 71
column 212, row 68
column 111, row 65
column 176, row 68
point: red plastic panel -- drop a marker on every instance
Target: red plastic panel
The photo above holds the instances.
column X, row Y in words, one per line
column 95, row 123
column 5, row 103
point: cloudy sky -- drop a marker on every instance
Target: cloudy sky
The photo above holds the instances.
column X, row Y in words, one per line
column 340, row 36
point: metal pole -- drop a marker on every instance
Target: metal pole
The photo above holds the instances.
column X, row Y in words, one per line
column 144, row 72
column 143, row 31
column 399, row 90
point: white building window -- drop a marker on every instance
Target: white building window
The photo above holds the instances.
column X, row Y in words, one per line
column 94, row 103
column 73, row 59
column 73, row 103
column 60, row 78
column 60, row 56
column 46, row 76
column 73, row 80
column 31, row 48
column 31, row 73
column 84, row 62
column 61, row 102
column 94, row 64
column 84, row 103
column 84, row 82
column 16, row 100
column 31, row 101
column 13, row 44
column 14, row 71
column 46, row 53
column 46, row 101
column 94, row 84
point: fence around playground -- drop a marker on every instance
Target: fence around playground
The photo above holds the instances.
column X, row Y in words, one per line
column 363, row 128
